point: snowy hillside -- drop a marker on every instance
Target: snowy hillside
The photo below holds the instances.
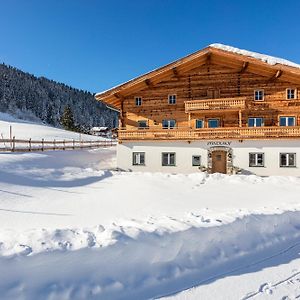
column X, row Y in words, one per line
column 73, row 228
column 24, row 130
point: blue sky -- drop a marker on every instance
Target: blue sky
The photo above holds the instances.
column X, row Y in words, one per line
column 93, row 45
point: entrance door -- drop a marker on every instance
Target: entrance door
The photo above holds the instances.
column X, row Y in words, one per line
column 219, row 161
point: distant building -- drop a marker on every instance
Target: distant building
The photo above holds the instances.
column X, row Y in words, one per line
column 100, row 131
column 220, row 109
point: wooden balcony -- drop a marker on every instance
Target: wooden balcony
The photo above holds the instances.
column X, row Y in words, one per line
column 221, row 104
column 232, row 133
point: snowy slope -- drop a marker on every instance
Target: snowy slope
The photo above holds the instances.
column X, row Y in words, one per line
column 22, row 129
column 72, row 228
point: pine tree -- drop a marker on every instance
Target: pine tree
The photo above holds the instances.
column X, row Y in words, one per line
column 67, row 119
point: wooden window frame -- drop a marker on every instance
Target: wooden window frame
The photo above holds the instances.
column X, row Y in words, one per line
column 287, row 116
column 133, row 158
column 257, row 166
column 136, row 102
column 286, row 93
column 259, row 90
column 169, row 95
column 262, row 123
column 203, row 123
column 219, row 119
column 288, row 153
column 168, row 165
column 168, row 123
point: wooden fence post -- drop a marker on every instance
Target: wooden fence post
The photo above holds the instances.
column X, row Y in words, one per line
column 29, row 144
column 13, row 144
column 42, row 144
column 73, row 144
column 64, row 145
column 54, row 144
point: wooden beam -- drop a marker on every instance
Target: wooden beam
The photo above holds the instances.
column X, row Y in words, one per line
column 276, row 75
column 208, row 58
column 244, row 67
column 175, row 72
column 148, row 83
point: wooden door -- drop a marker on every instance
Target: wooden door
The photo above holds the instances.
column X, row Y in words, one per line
column 219, row 162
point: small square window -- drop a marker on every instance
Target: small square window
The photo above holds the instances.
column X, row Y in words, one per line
column 168, row 159
column 172, row 99
column 291, row 94
column 143, row 123
column 256, row 159
column 168, row 124
column 138, row 158
column 213, row 123
column 259, row 95
column 287, row 160
column 196, row 160
column 199, row 124
column 138, row 101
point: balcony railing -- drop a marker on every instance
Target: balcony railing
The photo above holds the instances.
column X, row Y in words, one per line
column 215, row 104
column 238, row 133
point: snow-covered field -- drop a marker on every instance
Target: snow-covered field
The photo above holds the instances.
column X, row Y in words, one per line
column 22, row 129
column 71, row 227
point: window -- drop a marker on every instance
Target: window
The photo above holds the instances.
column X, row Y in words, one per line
column 138, row 101
column 259, row 95
column 287, row 121
column 172, row 99
column 291, row 94
column 255, row 122
column 143, row 123
column 138, row 158
column 196, row 160
column 213, row 123
column 256, row 159
column 199, row 124
column 287, row 160
column 168, row 124
column 168, row 159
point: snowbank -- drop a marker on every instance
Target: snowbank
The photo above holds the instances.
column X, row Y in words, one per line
column 73, row 228
column 145, row 264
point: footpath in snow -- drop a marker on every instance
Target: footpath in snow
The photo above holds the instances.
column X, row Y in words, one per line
column 71, row 227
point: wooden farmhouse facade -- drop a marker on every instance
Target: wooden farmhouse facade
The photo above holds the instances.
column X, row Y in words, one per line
column 220, row 109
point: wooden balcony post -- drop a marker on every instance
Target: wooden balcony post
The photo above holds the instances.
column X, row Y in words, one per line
column 189, row 122
column 240, row 118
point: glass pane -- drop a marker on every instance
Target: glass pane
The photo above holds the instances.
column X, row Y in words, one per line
column 199, row 123
column 283, row 159
column 291, row 159
column 165, row 123
column 172, row 159
column 251, row 159
column 213, row 123
column 172, row 123
column 291, row 121
column 282, row 121
column 142, row 158
column 196, row 160
column 251, row 122
column 165, row 159
column 258, row 122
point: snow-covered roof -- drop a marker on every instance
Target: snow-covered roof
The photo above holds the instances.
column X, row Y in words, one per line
column 99, row 128
column 271, row 60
